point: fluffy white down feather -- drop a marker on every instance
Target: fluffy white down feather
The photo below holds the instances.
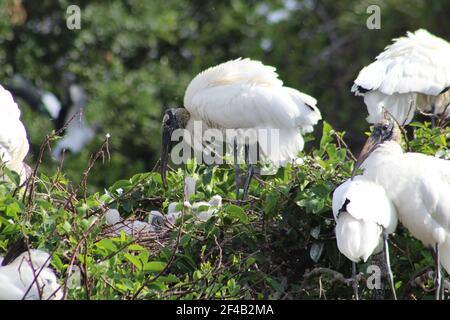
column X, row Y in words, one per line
column 244, row 93
column 202, row 210
column 414, row 69
column 362, row 211
column 133, row 227
column 13, row 137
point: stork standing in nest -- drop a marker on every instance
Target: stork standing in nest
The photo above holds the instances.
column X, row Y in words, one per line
column 242, row 95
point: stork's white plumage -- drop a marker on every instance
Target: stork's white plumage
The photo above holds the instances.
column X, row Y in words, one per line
column 29, row 272
column 202, row 210
column 362, row 211
column 244, row 94
column 412, row 73
column 419, row 185
column 13, row 137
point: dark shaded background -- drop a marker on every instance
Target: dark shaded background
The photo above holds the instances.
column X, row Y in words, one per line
column 135, row 58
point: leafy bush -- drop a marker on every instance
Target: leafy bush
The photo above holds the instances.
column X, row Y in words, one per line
column 279, row 244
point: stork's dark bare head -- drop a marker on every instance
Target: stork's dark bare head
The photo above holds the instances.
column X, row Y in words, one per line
column 173, row 119
column 385, row 130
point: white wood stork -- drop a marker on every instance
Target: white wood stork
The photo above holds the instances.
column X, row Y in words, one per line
column 413, row 73
column 364, row 219
column 29, row 276
column 243, row 94
column 13, row 136
column 417, row 184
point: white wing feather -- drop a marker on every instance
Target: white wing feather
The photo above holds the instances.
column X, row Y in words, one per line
column 416, row 63
column 433, row 182
column 366, row 201
column 243, row 94
column 412, row 73
column 8, row 107
column 362, row 210
column 357, row 239
column 247, row 94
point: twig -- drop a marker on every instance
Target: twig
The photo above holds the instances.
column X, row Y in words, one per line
column 46, row 144
column 339, row 139
column 336, row 276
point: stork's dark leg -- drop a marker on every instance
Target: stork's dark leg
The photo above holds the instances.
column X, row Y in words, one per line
column 236, row 167
column 355, row 281
column 433, row 116
column 388, row 264
column 437, row 277
column 249, row 173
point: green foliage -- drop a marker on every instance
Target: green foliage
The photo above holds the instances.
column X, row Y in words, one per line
column 278, row 244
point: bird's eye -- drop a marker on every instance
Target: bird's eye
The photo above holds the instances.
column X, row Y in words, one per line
column 385, row 127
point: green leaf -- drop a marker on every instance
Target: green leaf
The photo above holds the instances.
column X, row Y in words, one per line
column 136, row 247
column 13, row 176
column 236, row 212
column 107, row 244
column 134, row 260
column 154, row 266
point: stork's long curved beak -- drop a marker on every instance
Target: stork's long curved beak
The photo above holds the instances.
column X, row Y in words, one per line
column 165, row 150
column 371, row 144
